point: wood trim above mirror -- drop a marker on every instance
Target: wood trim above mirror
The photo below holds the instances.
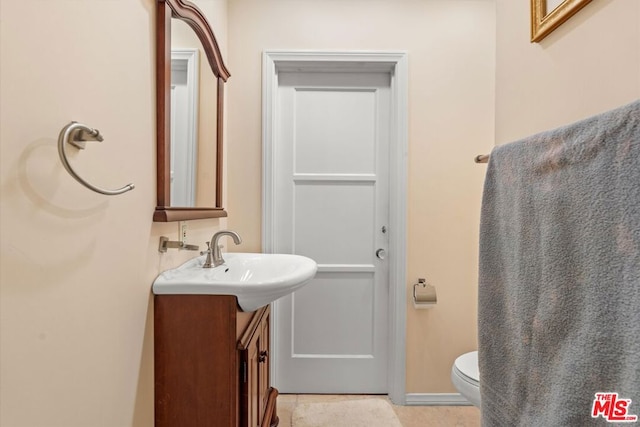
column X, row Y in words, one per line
column 193, row 16
column 189, row 13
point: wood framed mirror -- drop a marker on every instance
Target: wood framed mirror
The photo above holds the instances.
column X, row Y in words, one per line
column 206, row 171
column 547, row 15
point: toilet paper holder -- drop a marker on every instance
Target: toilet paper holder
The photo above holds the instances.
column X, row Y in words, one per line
column 424, row 294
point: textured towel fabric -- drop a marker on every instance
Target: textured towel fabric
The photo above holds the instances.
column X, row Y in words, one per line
column 559, row 290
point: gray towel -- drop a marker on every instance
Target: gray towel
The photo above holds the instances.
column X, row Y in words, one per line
column 559, row 290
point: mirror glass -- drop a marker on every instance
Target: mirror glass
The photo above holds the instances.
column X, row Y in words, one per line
column 551, row 5
column 190, row 77
column 193, row 121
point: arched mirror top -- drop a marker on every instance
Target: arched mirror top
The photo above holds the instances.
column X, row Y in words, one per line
column 189, row 13
column 201, row 178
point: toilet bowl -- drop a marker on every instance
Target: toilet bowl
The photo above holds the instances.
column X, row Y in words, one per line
column 465, row 376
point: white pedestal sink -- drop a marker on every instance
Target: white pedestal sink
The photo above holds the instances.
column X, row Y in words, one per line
column 255, row 279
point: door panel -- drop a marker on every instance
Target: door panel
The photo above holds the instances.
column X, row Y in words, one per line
column 331, row 203
column 327, row 143
column 331, row 335
column 333, row 221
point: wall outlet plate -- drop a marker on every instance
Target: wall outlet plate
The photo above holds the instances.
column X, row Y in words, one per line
column 182, row 232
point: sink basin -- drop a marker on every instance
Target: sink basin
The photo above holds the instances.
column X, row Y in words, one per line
column 255, row 279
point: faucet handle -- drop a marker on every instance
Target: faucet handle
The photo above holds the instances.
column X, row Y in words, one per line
column 208, row 251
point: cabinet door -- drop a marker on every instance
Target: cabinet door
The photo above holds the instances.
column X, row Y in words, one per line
column 254, row 351
column 263, row 368
column 253, row 385
column 268, row 412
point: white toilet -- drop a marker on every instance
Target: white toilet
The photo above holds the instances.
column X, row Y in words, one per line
column 465, row 376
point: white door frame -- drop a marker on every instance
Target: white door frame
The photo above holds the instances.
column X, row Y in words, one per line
column 396, row 63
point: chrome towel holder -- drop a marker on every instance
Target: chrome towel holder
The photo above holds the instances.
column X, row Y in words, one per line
column 77, row 134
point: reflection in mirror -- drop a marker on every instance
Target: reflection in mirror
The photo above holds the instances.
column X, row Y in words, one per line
column 184, row 126
column 551, row 5
column 200, row 169
column 190, row 84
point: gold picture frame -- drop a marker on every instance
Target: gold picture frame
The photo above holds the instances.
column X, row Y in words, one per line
column 544, row 22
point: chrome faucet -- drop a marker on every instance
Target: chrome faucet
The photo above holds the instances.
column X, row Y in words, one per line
column 214, row 253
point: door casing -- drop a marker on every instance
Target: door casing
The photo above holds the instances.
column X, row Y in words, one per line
column 395, row 63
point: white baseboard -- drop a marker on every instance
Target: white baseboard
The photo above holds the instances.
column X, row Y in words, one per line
column 435, row 399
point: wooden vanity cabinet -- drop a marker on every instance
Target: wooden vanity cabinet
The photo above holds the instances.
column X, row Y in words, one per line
column 211, row 363
column 257, row 396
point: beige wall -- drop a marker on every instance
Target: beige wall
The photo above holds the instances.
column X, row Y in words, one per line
column 76, row 267
column 451, row 46
column 588, row 65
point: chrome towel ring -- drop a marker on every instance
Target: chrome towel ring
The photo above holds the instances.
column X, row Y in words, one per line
column 77, row 134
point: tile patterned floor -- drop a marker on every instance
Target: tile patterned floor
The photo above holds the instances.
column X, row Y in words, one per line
column 409, row 416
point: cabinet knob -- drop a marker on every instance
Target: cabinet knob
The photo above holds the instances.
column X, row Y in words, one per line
column 263, row 356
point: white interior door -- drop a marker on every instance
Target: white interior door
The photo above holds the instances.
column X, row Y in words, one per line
column 331, row 203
